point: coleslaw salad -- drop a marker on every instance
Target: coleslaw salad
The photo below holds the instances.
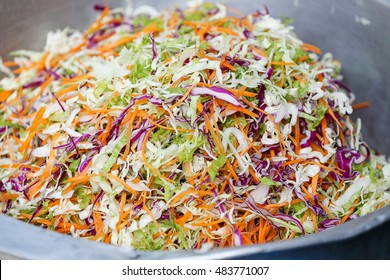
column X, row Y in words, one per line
column 184, row 129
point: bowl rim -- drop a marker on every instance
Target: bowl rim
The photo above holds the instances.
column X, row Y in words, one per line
column 16, row 242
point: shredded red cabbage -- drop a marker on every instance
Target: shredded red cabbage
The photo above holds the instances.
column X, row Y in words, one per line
column 153, row 46
column 310, row 135
column 99, row 8
column 238, row 238
column 217, row 92
column 345, row 157
column 33, row 84
column 35, row 212
column 59, row 102
column 248, row 34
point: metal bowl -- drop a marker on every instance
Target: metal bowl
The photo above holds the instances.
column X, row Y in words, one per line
column 355, row 31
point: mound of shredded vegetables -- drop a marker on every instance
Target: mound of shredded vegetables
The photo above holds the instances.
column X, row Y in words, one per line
column 184, row 129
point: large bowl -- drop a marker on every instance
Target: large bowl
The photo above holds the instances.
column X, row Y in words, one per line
column 355, row 31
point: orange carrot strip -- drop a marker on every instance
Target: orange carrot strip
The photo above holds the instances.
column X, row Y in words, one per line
column 8, row 196
column 240, row 109
column 181, row 195
column 37, row 121
column 151, row 215
column 4, row 95
column 331, row 113
column 299, row 78
column 97, row 218
column 297, row 137
column 76, row 79
column 240, row 92
column 120, row 181
column 32, row 101
column 116, row 44
column 216, row 139
column 225, row 30
column 66, row 90
column 303, row 58
column 50, row 161
column 324, row 126
column 314, row 183
column 260, row 52
column 184, row 97
column 314, row 218
column 360, row 105
column 9, row 63
column 298, row 160
column 309, row 47
column 282, row 63
column 353, row 207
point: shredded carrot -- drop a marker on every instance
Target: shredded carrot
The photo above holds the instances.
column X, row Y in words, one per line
column 184, row 97
column 77, row 79
column 118, row 43
column 4, row 95
column 8, row 196
column 216, row 138
column 241, row 92
column 181, row 195
column 37, row 121
column 120, row 181
column 360, row 105
column 314, row 183
column 324, row 126
column 260, row 52
column 331, row 113
column 282, row 63
column 303, row 58
column 298, row 160
column 308, row 47
column 240, row 109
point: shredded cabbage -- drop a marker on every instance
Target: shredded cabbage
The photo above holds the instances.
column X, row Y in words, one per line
column 188, row 129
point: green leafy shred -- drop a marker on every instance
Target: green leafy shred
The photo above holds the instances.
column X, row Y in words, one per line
column 215, row 166
column 102, row 86
column 83, row 197
column 59, row 116
column 176, row 90
column 141, row 69
column 230, row 121
column 5, row 123
column 269, row 182
column 189, row 147
column 319, row 114
column 115, row 153
column 143, row 239
column 74, row 165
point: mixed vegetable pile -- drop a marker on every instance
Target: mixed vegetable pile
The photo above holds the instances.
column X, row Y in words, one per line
column 183, row 129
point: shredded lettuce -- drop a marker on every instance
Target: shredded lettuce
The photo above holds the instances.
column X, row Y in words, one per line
column 143, row 239
column 215, row 166
column 319, row 114
column 115, row 153
column 74, row 165
column 83, row 197
column 268, row 182
column 188, row 148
